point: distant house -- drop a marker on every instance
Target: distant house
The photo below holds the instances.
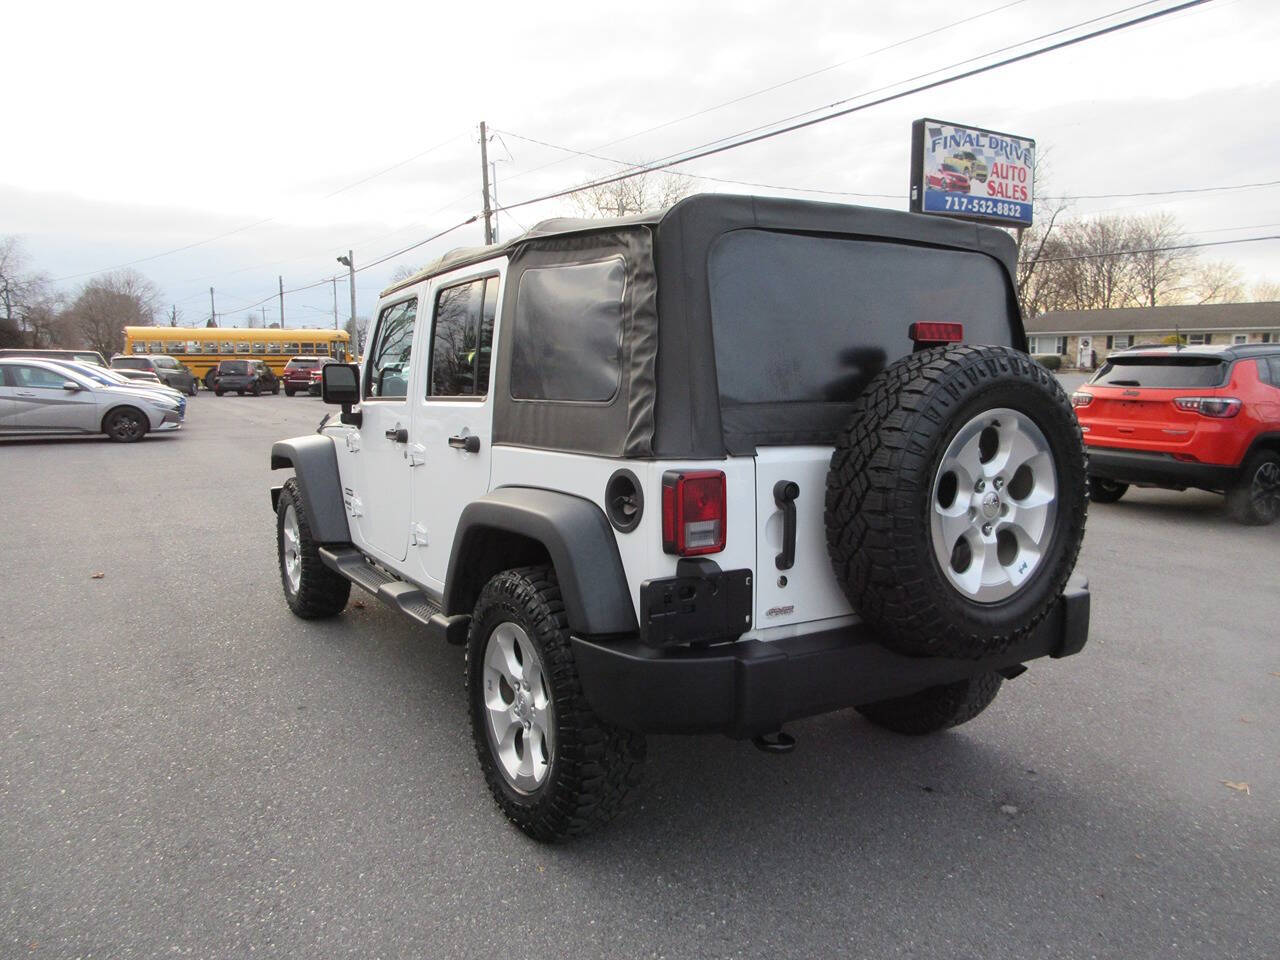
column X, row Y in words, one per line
column 1082, row 337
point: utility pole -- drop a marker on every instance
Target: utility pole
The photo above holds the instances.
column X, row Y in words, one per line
column 493, row 186
column 335, row 303
column 213, row 311
column 264, row 311
column 173, row 315
column 264, row 316
column 484, row 173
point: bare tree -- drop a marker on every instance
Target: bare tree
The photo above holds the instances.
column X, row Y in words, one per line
column 1159, row 269
column 1265, row 291
column 1215, row 282
column 21, row 291
column 1034, row 241
column 109, row 303
column 646, row 191
column 357, row 328
column 403, row 272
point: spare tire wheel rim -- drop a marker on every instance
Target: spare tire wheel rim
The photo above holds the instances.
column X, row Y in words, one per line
column 992, row 505
column 518, row 709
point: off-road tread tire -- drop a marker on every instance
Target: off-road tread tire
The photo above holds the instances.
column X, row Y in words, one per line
column 876, row 511
column 1106, row 491
column 935, row 708
column 321, row 592
column 596, row 765
column 1240, row 496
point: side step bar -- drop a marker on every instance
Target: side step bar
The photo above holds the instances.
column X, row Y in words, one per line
column 411, row 600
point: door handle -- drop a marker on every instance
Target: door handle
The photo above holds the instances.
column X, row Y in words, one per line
column 469, row 443
column 398, row 434
column 784, row 495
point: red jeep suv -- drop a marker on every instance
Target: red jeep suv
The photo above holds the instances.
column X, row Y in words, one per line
column 1204, row 417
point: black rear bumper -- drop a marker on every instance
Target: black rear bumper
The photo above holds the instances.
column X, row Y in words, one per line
column 1157, row 469
column 751, row 687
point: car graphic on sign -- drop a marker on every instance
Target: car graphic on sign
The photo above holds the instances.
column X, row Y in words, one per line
column 972, row 165
column 949, row 177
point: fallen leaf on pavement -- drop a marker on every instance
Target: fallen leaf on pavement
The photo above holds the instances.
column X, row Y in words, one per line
column 97, row 576
column 1239, row 786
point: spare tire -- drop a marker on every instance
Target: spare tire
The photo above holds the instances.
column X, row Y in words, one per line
column 956, row 500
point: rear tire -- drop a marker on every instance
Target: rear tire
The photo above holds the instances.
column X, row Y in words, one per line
column 194, row 388
column 555, row 769
column 956, row 500
column 1255, row 499
column 311, row 589
column 289, row 392
column 1106, row 491
column 935, row 708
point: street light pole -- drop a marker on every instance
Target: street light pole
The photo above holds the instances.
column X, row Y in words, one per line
column 349, row 261
column 335, row 303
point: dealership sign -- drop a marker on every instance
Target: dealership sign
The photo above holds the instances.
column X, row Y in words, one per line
column 971, row 173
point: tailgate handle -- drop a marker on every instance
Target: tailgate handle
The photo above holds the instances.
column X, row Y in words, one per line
column 784, row 495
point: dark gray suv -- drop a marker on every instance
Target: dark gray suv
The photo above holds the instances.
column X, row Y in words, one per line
column 169, row 371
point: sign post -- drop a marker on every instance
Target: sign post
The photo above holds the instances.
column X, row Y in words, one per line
column 971, row 173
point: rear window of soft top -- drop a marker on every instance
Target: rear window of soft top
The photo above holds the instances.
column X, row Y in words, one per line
column 1162, row 370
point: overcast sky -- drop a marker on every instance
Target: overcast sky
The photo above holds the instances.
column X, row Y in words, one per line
column 135, row 128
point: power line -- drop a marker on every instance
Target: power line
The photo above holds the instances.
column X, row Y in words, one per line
column 1128, row 253
column 721, row 147
column 1163, row 193
column 775, row 86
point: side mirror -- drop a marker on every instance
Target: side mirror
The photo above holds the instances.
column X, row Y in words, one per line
column 340, row 384
column 71, row 386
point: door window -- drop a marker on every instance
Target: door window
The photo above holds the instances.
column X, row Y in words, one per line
column 389, row 367
column 24, row 376
column 462, row 340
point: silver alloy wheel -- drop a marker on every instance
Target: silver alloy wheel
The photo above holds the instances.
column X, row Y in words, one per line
column 517, row 701
column 291, row 549
column 993, row 504
column 1265, row 492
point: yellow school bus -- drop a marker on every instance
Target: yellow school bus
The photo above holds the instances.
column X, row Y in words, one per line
column 200, row 348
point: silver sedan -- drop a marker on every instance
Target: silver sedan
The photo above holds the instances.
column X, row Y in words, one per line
column 43, row 397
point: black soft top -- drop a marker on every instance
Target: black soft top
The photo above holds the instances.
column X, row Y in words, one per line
column 669, row 403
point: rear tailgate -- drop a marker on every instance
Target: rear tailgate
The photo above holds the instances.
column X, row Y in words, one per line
column 1142, row 418
column 810, row 591
column 1133, row 399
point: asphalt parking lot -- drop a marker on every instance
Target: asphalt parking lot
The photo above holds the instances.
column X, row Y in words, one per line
column 187, row 770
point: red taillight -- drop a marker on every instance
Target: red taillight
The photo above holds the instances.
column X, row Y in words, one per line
column 1217, row 407
column 1081, row 398
column 933, row 334
column 693, row 512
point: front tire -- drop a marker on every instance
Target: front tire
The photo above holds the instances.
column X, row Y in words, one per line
column 311, row 589
column 1255, row 499
column 935, row 708
column 125, row 425
column 555, row 769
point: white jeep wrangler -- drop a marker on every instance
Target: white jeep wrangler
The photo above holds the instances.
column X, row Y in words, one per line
column 707, row 470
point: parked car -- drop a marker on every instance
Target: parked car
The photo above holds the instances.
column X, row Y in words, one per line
column 140, row 376
column 244, row 376
column 166, row 368
column 689, row 494
column 303, row 373
column 44, row 397
column 137, row 379
column 1202, row 417
column 949, row 177
column 84, row 356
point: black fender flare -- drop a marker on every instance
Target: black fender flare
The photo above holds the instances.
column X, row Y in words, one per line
column 1269, row 440
column 575, row 534
column 315, row 465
